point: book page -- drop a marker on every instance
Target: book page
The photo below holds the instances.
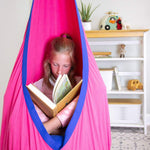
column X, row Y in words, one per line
column 69, row 97
column 55, row 86
column 41, row 96
column 63, row 87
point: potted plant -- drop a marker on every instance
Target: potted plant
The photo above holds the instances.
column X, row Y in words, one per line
column 86, row 11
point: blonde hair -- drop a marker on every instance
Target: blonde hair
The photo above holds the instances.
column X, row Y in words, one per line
column 61, row 44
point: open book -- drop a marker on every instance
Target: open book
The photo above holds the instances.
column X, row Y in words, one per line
column 63, row 93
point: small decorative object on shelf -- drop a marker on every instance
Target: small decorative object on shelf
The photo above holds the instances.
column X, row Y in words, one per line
column 134, row 85
column 125, row 25
column 86, row 12
column 111, row 22
column 119, row 24
column 122, row 51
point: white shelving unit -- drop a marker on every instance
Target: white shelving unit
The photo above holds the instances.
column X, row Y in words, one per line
column 133, row 66
column 119, row 59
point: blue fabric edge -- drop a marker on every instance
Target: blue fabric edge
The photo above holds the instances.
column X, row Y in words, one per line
column 55, row 142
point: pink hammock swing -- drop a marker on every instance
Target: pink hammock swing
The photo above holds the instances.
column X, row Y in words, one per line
column 21, row 127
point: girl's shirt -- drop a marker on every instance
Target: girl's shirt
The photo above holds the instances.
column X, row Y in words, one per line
column 48, row 92
column 65, row 115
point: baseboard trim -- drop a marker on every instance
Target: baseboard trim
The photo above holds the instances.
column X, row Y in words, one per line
column 148, row 119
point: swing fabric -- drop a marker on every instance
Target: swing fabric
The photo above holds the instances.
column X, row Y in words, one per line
column 21, row 127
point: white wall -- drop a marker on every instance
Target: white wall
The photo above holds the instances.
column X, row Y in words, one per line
column 14, row 15
column 13, row 19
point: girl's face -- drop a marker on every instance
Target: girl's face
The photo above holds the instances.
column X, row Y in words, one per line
column 60, row 63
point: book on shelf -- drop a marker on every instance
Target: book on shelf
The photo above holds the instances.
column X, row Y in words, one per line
column 102, row 54
column 117, row 78
column 62, row 94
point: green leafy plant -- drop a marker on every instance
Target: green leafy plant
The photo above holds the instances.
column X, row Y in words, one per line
column 86, row 11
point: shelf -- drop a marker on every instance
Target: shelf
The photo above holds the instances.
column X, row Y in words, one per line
column 135, row 42
column 115, row 33
column 135, row 125
column 129, row 73
column 124, row 73
column 120, row 59
column 126, row 91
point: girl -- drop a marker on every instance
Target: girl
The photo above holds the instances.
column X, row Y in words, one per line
column 59, row 60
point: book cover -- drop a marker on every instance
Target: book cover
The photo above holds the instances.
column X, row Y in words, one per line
column 48, row 106
column 117, row 78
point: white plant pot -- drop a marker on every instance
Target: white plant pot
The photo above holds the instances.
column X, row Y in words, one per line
column 87, row 25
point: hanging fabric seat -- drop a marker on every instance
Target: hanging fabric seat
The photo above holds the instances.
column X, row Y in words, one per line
column 21, row 128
